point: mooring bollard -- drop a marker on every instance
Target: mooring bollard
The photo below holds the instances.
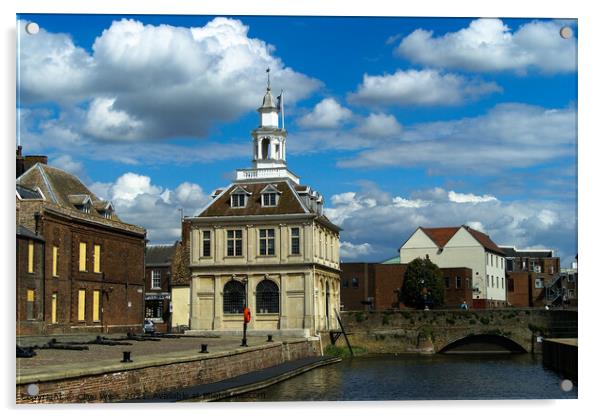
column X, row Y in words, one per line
column 270, row 338
column 126, row 357
column 204, row 348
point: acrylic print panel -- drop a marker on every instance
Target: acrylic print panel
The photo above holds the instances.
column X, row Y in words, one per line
column 250, row 208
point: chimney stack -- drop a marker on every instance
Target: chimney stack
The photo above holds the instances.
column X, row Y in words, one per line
column 24, row 163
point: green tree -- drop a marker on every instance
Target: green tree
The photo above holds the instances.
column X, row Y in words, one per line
column 422, row 277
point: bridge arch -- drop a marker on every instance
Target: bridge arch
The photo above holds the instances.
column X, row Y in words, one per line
column 483, row 343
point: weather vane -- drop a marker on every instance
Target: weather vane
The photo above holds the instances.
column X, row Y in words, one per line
column 268, row 71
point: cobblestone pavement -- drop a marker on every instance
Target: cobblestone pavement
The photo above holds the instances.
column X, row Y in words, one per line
column 48, row 360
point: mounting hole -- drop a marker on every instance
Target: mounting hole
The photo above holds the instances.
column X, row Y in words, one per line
column 33, row 390
column 566, row 385
column 566, row 32
column 32, row 28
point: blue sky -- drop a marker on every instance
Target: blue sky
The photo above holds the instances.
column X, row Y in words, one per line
column 399, row 122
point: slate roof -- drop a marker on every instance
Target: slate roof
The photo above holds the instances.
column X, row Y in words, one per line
column 64, row 192
column 288, row 202
column 159, row 255
column 441, row 237
column 26, row 233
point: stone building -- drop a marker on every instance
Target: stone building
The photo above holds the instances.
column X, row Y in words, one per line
column 88, row 274
column 377, row 286
column 462, row 246
column 157, row 296
column 264, row 242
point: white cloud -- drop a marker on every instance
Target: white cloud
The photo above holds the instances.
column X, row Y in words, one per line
column 353, row 251
column 385, row 224
column 469, row 197
column 326, row 114
column 400, row 202
column 490, row 45
column 510, row 135
column 105, row 122
column 154, row 82
column 420, row 88
column 67, row 163
column 138, row 201
column 379, row 125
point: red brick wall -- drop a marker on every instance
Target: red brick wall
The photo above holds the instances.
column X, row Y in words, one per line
column 388, row 279
column 352, row 297
column 146, row 381
column 518, row 289
column 454, row 295
column 383, row 282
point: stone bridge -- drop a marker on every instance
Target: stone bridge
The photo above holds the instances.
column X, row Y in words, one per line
column 440, row 331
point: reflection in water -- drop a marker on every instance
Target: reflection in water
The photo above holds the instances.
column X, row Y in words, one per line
column 421, row 377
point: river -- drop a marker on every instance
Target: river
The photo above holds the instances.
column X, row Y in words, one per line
column 409, row 377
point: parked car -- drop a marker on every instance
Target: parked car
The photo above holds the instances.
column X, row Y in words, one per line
column 149, row 326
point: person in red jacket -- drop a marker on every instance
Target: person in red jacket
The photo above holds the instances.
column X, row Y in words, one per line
column 246, row 312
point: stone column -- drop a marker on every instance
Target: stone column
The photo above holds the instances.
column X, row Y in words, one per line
column 282, row 238
column 218, row 302
column 309, row 317
column 283, row 302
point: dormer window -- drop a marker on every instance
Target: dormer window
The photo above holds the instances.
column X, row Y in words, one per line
column 269, row 199
column 270, row 196
column 81, row 202
column 238, row 200
column 108, row 214
column 238, row 197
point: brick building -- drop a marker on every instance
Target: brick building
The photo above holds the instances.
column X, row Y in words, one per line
column 158, row 273
column 88, row 273
column 375, row 286
column 30, row 277
column 532, row 277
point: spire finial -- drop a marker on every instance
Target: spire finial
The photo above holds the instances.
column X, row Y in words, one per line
column 268, row 71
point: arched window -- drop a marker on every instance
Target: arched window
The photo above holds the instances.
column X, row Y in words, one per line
column 265, row 148
column 267, row 297
column 234, row 297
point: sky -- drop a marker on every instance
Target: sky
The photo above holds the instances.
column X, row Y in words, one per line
column 398, row 122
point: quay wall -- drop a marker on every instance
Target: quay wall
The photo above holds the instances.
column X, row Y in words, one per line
column 428, row 332
column 561, row 355
column 148, row 379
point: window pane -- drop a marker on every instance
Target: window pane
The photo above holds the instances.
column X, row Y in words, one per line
column 30, row 248
column 55, row 261
column 81, row 306
column 234, row 295
column 97, row 259
column 82, row 256
column 267, row 297
column 96, row 306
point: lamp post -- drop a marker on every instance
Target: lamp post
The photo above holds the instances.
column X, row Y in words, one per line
column 246, row 314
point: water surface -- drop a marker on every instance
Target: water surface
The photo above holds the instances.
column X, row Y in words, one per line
column 408, row 377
